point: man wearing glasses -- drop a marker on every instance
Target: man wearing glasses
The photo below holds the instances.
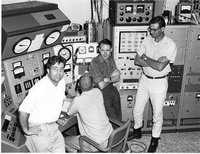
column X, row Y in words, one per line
column 155, row 54
column 104, row 72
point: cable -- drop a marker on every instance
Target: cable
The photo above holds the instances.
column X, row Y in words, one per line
column 138, row 144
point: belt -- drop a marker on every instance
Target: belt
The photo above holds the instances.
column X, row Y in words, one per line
column 150, row 77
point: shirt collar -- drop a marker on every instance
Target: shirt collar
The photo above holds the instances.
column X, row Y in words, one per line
column 101, row 59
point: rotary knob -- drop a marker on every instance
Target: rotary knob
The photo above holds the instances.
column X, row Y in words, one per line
column 139, row 19
column 121, row 13
column 128, row 19
column 121, row 19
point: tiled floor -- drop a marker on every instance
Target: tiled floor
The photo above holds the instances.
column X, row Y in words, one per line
column 186, row 142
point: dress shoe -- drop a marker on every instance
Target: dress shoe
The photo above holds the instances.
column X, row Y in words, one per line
column 153, row 145
column 137, row 133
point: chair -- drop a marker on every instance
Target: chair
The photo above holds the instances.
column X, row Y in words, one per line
column 117, row 141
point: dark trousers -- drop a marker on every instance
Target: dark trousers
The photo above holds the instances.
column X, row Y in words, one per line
column 112, row 102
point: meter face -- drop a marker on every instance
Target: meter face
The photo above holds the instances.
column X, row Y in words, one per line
column 22, row 45
column 65, row 53
column 52, row 37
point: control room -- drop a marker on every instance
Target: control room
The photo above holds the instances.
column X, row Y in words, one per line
column 118, row 76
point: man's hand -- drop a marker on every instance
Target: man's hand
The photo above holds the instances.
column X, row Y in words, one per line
column 144, row 56
column 106, row 79
column 163, row 59
column 62, row 121
column 115, row 73
column 34, row 130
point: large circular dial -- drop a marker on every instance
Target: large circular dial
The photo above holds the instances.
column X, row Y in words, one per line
column 22, row 45
column 65, row 53
column 52, row 37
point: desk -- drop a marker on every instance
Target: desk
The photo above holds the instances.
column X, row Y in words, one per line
column 71, row 122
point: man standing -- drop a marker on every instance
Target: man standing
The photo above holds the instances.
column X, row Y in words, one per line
column 41, row 109
column 92, row 119
column 104, row 72
column 154, row 55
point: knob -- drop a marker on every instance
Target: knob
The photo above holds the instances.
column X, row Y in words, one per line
column 121, row 19
column 128, row 19
column 139, row 19
column 147, row 13
column 134, row 19
column 121, row 13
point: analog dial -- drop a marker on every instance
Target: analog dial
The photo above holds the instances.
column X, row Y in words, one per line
column 65, row 53
column 52, row 37
column 22, row 45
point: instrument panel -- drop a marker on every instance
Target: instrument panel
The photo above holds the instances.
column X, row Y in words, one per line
column 131, row 13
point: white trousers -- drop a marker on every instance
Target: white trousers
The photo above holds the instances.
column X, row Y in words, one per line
column 49, row 140
column 156, row 90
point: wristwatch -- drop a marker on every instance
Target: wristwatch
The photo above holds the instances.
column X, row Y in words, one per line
column 145, row 58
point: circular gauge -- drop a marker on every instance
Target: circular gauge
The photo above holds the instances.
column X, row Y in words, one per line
column 65, row 53
column 52, row 37
column 22, row 45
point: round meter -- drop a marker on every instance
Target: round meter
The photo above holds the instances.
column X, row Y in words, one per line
column 52, row 37
column 65, row 53
column 22, row 45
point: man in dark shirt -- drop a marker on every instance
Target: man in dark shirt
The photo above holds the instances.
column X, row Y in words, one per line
column 104, row 72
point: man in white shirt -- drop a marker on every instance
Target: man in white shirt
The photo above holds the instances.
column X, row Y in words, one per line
column 155, row 54
column 92, row 119
column 41, row 109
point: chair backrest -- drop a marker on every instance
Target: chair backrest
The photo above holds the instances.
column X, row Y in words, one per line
column 118, row 138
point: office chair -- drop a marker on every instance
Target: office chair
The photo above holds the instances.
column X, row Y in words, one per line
column 117, row 141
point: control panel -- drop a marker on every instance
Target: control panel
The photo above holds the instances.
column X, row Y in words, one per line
column 74, row 37
column 126, row 43
column 127, row 12
column 10, row 131
column 24, row 71
column 170, row 111
column 83, row 55
column 7, row 103
column 31, row 26
column 189, row 110
column 183, row 12
column 127, row 103
column 30, row 30
column 175, row 78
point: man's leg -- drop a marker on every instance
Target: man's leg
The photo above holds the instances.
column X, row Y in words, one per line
column 157, row 101
column 117, row 103
column 142, row 97
column 158, row 91
column 58, row 145
column 39, row 143
column 72, row 144
column 108, row 97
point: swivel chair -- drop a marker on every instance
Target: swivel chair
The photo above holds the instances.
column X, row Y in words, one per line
column 117, row 141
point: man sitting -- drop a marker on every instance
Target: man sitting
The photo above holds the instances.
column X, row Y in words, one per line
column 92, row 119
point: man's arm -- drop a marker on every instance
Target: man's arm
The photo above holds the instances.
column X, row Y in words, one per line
column 115, row 77
column 140, row 62
column 104, row 83
column 23, row 119
column 158, row 65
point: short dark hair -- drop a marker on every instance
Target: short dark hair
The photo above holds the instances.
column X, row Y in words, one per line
column 86, row 82
column 55, row 59
column 158, row 19
column 105, row 41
